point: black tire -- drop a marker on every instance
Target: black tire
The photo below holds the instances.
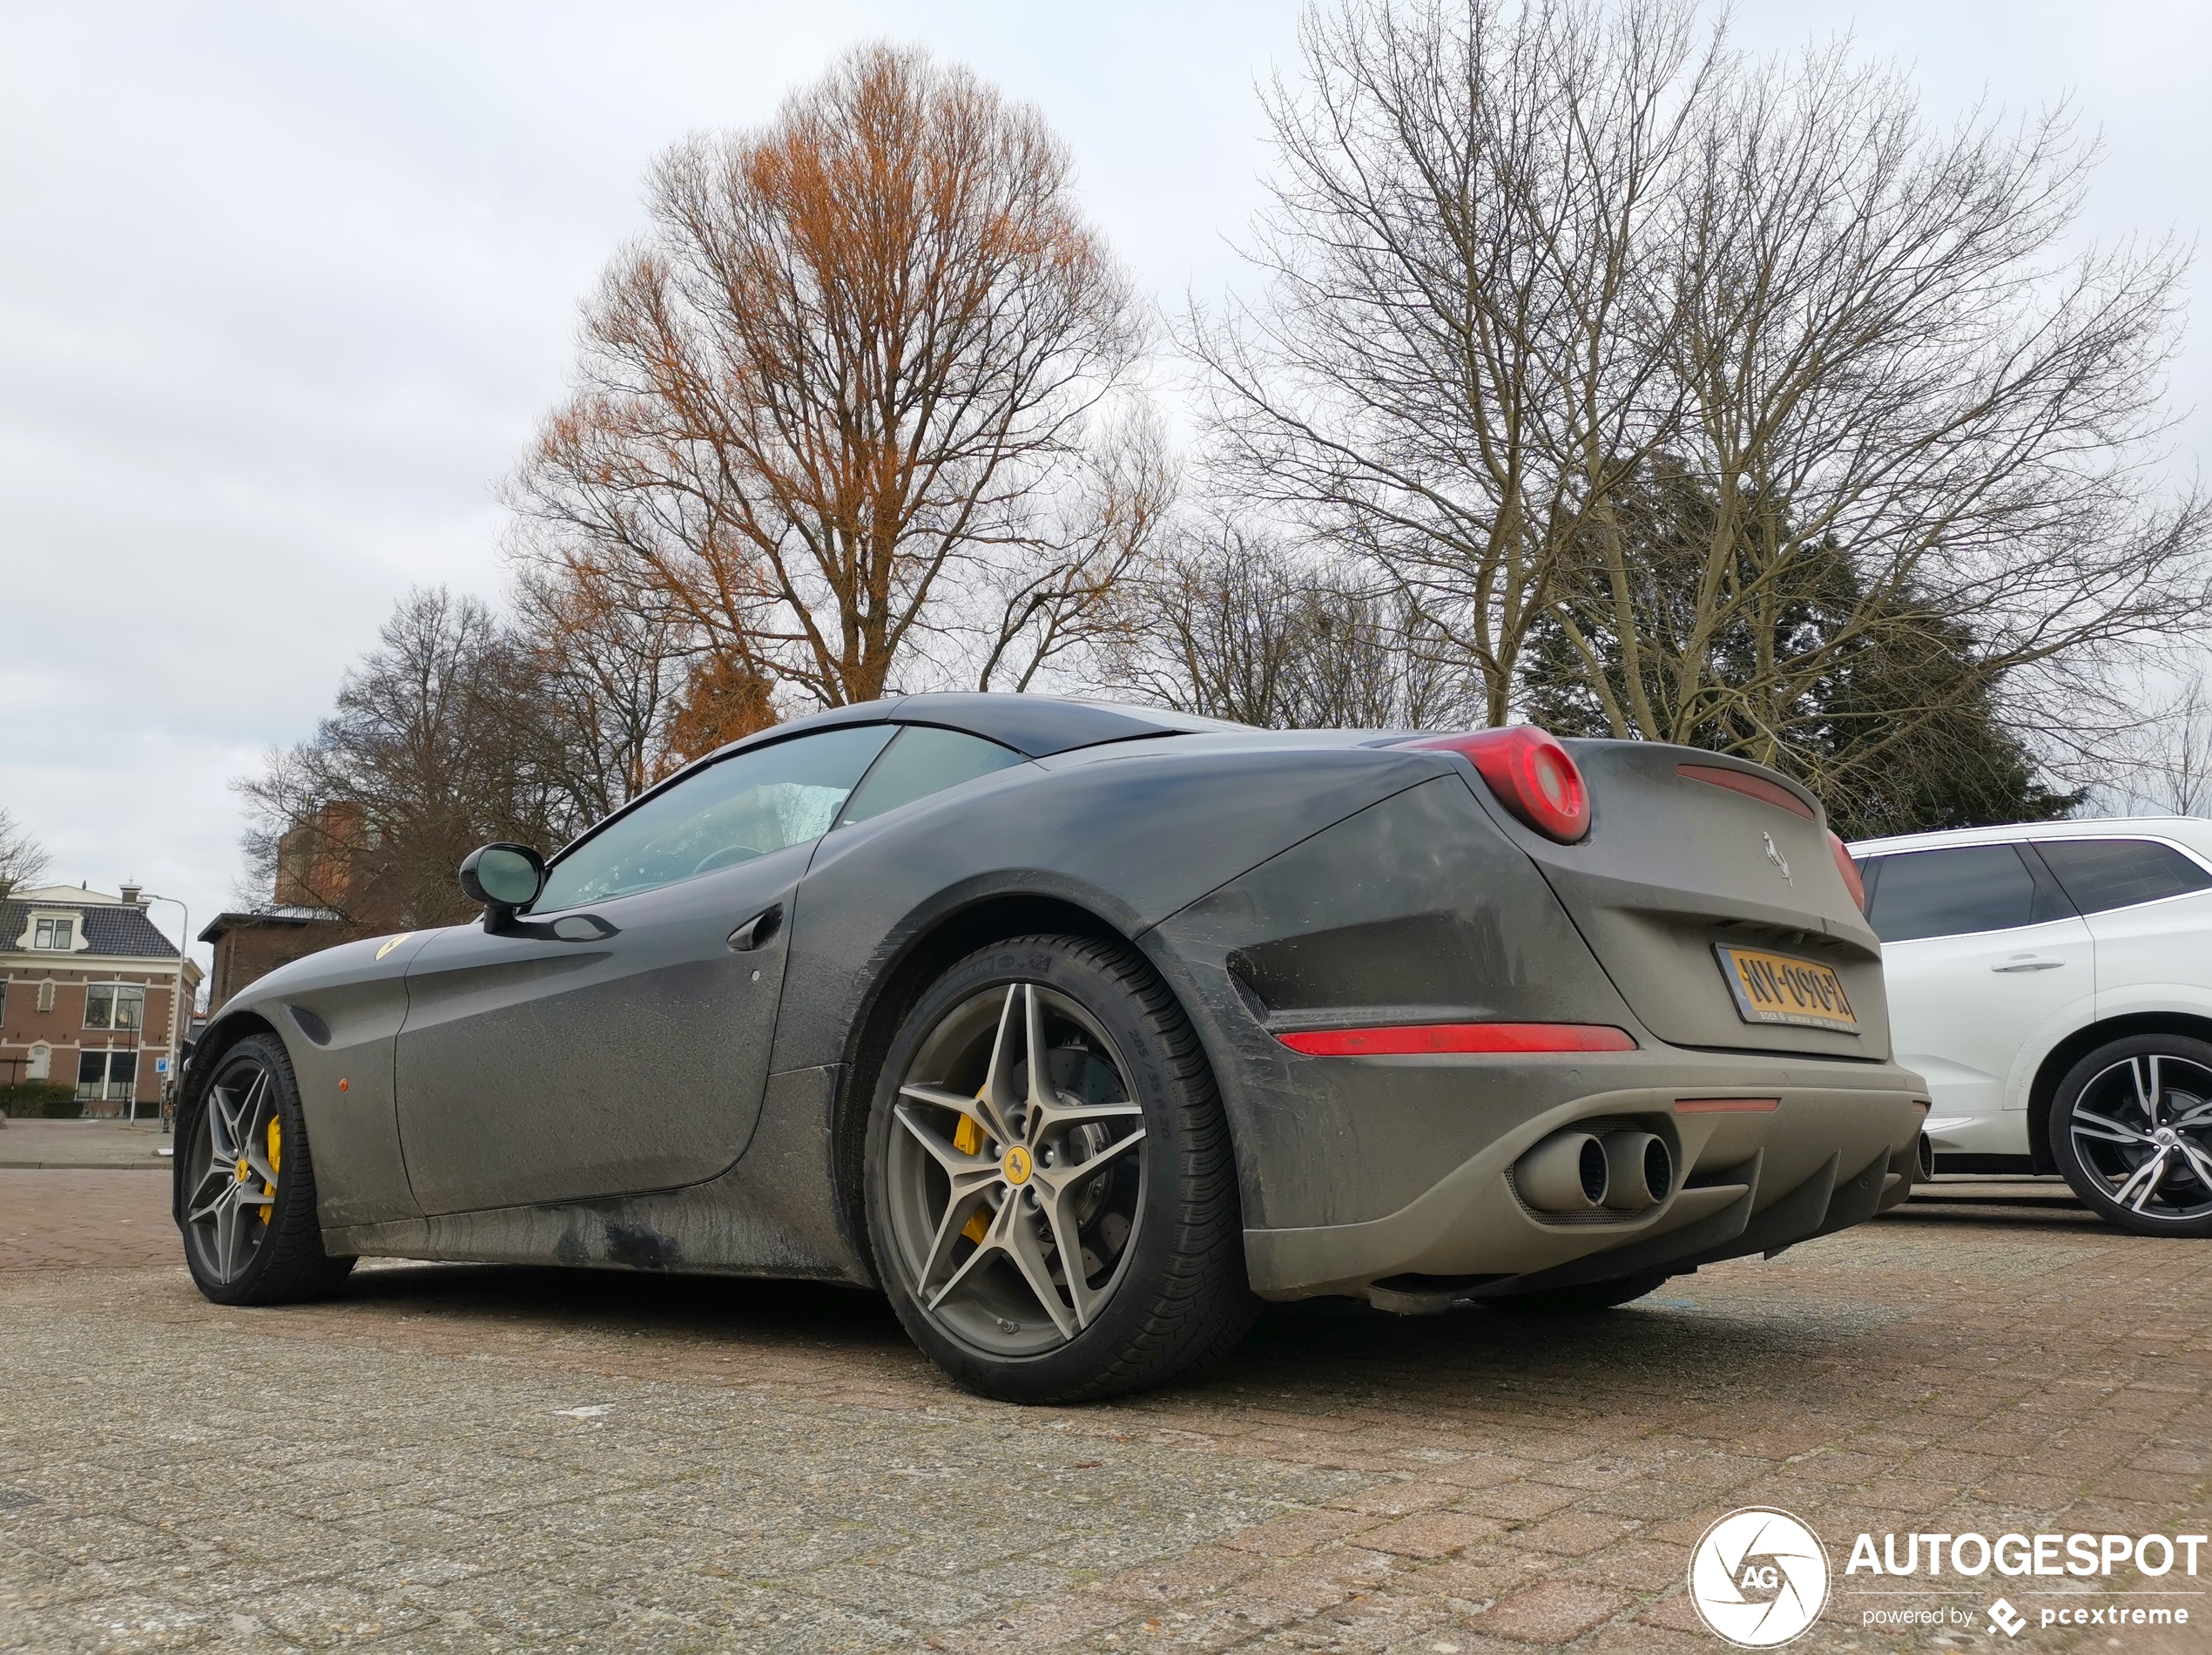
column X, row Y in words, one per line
column 1580, row 1300
column 276, row 1260
column 1180, row 1299
column 2099, row 1105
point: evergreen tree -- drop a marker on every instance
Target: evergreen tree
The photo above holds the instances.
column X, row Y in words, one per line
column 1899, row 731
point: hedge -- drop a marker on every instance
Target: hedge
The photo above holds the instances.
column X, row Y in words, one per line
column 28, row 1100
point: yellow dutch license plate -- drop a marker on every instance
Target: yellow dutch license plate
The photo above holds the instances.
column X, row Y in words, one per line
column 1777, row 988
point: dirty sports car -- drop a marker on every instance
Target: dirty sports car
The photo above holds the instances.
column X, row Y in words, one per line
column 1075, row 1027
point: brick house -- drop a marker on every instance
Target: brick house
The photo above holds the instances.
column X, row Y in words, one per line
column 248, row 946
column 86, row 988
column 315, row 868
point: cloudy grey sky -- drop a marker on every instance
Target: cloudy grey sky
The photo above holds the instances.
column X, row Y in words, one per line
column 284, row 289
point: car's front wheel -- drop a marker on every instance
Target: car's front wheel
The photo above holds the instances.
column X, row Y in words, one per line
column 2131, row 1129
column 248, row 1184
column 1051, row 1197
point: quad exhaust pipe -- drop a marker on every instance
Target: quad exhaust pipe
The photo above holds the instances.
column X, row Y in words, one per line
column 1575, row 1172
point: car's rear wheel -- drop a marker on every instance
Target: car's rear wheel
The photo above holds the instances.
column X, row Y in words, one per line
column 2131, row 1129
column 1580, row 1300
column 1051, row 1197
column 248, row 1185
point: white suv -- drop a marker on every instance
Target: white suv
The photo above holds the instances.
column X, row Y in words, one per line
column 2053, row 982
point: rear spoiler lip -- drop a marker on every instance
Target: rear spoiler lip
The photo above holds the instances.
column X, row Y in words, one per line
column 1706, row 758
column 1761, row 784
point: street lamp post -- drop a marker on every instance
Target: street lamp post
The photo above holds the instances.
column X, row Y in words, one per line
column 177, row 1017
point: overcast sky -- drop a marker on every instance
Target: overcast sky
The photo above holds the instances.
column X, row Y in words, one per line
column 283, row 290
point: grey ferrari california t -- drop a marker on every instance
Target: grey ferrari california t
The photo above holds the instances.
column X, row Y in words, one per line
column 1077, row 1029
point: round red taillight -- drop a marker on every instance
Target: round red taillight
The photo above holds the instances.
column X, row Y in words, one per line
column 1849, row 869
column 1530, row 772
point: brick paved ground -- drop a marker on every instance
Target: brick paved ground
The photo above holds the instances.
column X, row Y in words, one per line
column 454, row 1457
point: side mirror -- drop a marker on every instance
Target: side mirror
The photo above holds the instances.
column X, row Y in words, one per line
column 503, row 878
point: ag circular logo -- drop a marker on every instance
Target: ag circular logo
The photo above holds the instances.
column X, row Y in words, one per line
column 1758, row 1577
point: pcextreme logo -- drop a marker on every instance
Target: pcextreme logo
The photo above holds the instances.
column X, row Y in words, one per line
column 1758, row 1577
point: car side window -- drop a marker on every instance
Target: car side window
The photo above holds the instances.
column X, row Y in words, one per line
column 745, row 806
column 921, row 761
column 1947, row 893
column 2104, row 873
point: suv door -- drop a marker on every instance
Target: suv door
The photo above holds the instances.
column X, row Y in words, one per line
column 616, row 1039
column 1983, row 955
column 2148, row 905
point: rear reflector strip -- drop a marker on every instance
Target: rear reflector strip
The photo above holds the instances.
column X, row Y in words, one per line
column 1725, row 1105
column 1405, row 1040
column 1751, row 787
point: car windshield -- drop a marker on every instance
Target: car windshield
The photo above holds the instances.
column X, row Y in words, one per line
column 746, row 806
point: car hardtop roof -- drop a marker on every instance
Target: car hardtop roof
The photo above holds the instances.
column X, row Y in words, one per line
column 2190, row 830
column 1034, row 725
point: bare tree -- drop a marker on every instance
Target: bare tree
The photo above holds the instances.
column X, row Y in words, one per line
column 22, row 859
column 609, row 678
column 1528, row 268
column 820, row 407
column 1460, row 352
column 1071, row 596
column 1887, row 374
column 1233, row 625
column 2161, row 764
column 434, row 747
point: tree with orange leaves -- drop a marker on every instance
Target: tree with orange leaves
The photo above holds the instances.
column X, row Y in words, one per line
column 851, row 409
column 724, row 698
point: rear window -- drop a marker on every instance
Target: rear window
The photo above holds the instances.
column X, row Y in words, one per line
column 1947, row 893
column 2103, row 874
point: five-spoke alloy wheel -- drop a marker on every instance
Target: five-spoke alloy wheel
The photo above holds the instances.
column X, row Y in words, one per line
column 1014, row 1204
column 1051, row 1199
column 246, row 1190
column 2131, row 1128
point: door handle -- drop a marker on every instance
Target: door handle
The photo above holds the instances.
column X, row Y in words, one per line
column 758, row 928
column 2028, row 963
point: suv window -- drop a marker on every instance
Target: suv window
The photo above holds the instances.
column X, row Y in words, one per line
column 746, row 806
column 923, row 761
column 2103, row 874
column 1947, row 893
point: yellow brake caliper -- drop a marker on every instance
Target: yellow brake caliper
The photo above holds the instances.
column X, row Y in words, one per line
column 276, row 1152
column 968, row 1138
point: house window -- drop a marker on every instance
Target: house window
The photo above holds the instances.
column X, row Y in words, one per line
column 54, row 934
column 115, row 1005
column 41, row 1064
column 46, row 995
column 106, row 1076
